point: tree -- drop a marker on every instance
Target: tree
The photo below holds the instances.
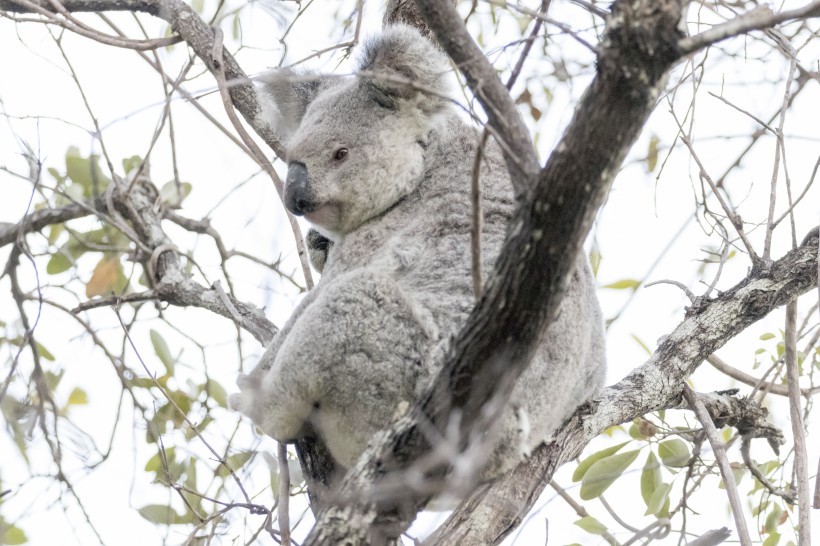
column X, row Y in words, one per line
column 99, row 229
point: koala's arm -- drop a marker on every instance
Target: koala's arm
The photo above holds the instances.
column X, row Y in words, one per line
column 350, row 362
column 250, row 383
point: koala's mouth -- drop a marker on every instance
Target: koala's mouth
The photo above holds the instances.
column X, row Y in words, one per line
column 327, row 216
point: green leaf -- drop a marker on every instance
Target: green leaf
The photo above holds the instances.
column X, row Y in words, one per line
column 58, row 177
column 12, row 535
column 154, row 464
column 595, row 259
column 53, row 379
column 773, row 519
column 235, row 461
column 674, row 453
column 217, row 393
column 642, row 344
column 45, row 353
column 162, row 351
column 584, row 465
column 54, row 232
column 651, row 477
column 591, row 525
column 141, row 382
column 766, row 336
column 171, row 197
column 191, row 432
column 604, row 472
column 235, row 28
column 131, row 163
column 772, row 539
column 659, row 497
column 58, row 263
column 85, row 172
column 77, row 397
column 197, row 5
column 624, row 284
column 158, row 513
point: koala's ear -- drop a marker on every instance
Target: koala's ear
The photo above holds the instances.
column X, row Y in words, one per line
column 284, row 96
column 402, row 53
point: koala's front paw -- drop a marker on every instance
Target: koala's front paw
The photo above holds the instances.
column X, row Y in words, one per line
column 318, row 248
column 279, row 413
column 245, row 400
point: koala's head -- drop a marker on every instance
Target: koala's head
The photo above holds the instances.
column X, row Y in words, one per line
column 355, row 146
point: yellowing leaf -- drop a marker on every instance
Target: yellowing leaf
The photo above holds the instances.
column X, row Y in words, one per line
column 624, row 284
column 12, row 535
column 78, row 397
column 104, row 277
column 604, row 472
column 652, row 153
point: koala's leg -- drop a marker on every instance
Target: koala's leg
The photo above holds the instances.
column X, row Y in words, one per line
column 350, row 363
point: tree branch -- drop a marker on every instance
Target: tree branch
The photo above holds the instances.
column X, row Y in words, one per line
column 759, row 18
column 654, row 385
column 502, row 115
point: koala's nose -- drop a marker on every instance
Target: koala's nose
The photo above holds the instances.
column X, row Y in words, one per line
column 298, row 198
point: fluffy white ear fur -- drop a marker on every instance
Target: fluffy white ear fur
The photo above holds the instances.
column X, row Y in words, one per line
column 399, row 55
column 284, row 96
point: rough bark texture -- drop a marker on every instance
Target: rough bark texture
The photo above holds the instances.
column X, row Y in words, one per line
column 171, row 284
column 490, row 513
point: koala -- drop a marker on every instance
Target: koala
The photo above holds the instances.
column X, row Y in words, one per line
column 381, row 165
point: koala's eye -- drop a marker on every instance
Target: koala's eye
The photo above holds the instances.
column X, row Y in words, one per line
column 340, row 154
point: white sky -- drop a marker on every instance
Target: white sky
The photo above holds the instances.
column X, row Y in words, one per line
column 640, row 219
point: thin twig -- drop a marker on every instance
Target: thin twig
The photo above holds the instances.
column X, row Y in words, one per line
column 800, row 457
column 778, row 152
column 581, row 511
column 258, row 154
column 723, row 462
column 771, row 387
column 758, row 18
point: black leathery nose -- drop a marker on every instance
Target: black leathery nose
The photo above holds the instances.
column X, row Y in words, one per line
column 298, row 197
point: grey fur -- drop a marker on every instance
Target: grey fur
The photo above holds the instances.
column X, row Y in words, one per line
column 396, row 286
